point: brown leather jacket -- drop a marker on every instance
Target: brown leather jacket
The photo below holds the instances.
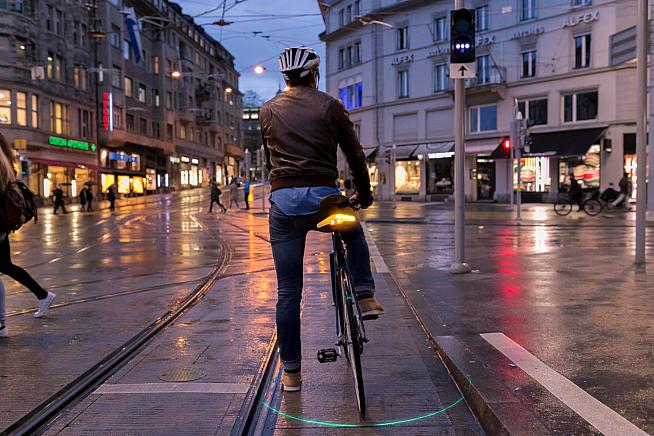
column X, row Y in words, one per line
column 301, row 130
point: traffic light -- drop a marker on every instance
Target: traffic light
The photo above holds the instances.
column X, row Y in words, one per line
column 506, row 146
column 24, row 168
column 462, row 36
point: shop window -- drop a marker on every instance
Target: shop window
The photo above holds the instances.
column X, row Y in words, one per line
column 407, row 177
column 481, row 18
column 440, row 175
column 5, row 106
column 123, row 185
column 529, row 63
column 440, row 29
column 586, row 170
column 21, row 108
column 402, row 35
column 35, row 111
column 582, row 50
column 534, row 110
column 535, row 174
column 581, row 106
column 483, row 119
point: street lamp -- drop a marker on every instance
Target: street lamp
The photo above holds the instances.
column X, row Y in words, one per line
column 259, row 69
column 228, row 90
column 175, row 74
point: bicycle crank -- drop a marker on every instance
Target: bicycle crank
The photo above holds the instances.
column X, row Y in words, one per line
column 327, row 355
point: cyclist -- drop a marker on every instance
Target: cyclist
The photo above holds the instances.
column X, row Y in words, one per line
column 302, row 129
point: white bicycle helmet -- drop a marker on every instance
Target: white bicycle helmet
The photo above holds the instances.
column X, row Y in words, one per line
column 302, row 60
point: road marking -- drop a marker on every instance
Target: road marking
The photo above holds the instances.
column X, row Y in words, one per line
column 375, row 255
column 597, row 414
column 173, row 388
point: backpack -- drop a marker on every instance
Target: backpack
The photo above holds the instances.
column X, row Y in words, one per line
column 17, row 207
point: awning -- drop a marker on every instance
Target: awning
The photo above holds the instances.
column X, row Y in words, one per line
column 563, row 143
column 411, row 151
column 64, row 164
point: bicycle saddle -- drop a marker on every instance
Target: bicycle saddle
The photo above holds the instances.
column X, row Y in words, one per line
column 333, row 203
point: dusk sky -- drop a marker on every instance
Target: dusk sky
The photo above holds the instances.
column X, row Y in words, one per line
column 271, row 18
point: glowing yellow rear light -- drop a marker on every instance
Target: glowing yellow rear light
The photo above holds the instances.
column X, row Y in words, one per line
column 336, row 220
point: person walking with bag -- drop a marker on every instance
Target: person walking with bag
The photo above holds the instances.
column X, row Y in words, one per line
column 82, row 199
column 7, row 267
column 111, row 196
column 215, row 196
column 58, row 195
column 89, row 199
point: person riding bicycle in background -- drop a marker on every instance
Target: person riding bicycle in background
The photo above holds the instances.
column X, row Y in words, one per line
column 576, row 193
column 302, row 129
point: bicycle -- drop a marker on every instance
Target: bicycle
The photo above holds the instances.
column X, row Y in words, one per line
column 350, row 331
column 592, row 206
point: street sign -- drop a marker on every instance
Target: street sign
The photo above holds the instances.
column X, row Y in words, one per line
column 463, row 71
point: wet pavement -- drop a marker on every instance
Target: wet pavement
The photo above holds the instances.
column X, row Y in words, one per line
column 116, row 273
column 563, row 288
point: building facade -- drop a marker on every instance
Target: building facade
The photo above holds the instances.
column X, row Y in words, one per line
column 47, row 107
column 558, row 62
column 105, row 93
column 252, row 139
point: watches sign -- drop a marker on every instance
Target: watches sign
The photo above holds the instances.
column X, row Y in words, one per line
column 71, row 143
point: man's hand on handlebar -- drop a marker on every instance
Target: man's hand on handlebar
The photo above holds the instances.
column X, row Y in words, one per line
column 357, row 201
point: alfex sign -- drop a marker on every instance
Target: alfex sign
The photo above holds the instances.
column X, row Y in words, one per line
column 71, row 143
column 107, row 111
column 588, row 17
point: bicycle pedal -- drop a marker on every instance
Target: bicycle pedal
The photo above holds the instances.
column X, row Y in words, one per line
column 327, row 355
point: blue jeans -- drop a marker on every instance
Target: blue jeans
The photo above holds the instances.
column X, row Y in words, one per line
column 287, row 237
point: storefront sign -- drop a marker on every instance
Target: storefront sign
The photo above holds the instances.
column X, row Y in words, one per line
column 405, row 59
column 485, row 41
column 174, row 159
column 528, row 32
column 185, row 159
column 123, row 157
column 439, row 51
column 107, row 112
column 71, row 143
column 442, row 155
column 588, row 17
column 195, row 161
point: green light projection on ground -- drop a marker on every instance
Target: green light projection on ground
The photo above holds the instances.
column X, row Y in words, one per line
column 372, row 424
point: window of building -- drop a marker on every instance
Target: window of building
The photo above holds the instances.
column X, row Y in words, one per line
column 115, row 77
column 402, row 34
column 341, row 18
column 118, row 117
column 4, row 4
column 35, row 111
column 403, row 83
column 351, row 96
column 5, row 106
column 128, row 85
column 529, row 63
column 49, row 23
column 169, row 132
column 483, row 118
column 155, row 64
column 356, row 53
column 21, row 52
column 580, row 3
column 182, row 131
column 59, row 121
column 535, row 110
column 21, row 108
column 54, row 66
column 83, row 35
column 76, row 32
column 582, row 51
column 126, row 49
column 155, row 98
column 114, row 36
column 441, row 78
column 84, row 123
column 528, row 10
column 19, row 6
column 59, row 22
column 156, row 129
column 440, row 29
column 483, row 69
column 129, row 121
column 169, row 100
column 79, row 77
column 143, row 126
column 142, row 93
column 581, row 106
column 341, row 58
column 357, row 8
column 481, row 18
column 348, row 14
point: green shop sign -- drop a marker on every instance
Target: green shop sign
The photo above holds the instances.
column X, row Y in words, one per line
column 71, row 143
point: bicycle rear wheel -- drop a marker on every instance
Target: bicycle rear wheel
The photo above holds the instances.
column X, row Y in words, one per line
column 563, row 208
column 353, row 341
column 593, row 207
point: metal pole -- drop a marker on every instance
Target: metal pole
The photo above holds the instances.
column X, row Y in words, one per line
column 262, row 164
column 393, row 186
column 512, row 152
column 641, row 127
column 459, row 266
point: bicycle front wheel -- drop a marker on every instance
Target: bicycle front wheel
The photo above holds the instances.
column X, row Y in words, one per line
column 593, row 207
column 353, row 341
column 562, row 208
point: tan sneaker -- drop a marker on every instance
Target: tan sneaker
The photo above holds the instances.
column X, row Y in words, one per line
column 291, row 381
column 370, row 308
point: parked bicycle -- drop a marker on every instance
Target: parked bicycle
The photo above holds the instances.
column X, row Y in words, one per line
column 592, row 205
column 350, row 332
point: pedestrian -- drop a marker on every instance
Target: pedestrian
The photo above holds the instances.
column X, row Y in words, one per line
column 215, row 196
column 246, row 191
column 82, row 199
column 111, row 196
column 58, row 199
column 576, row 194
column 89, row 199
column 233, row 193
column 17, row 273
column 625, row 192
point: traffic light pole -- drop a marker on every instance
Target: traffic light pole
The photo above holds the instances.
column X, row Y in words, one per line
column 516, row 144
column 641, row 130
column 459, row 266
